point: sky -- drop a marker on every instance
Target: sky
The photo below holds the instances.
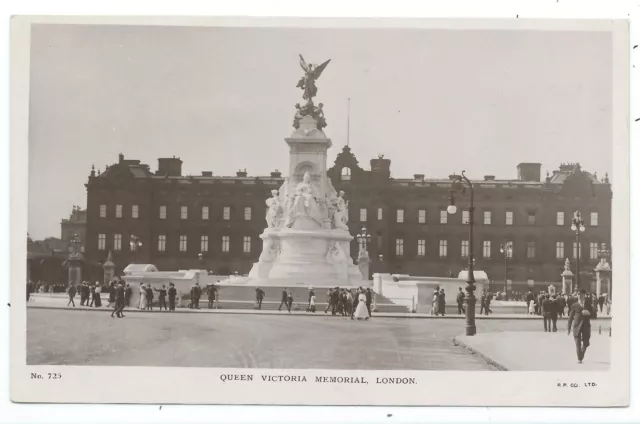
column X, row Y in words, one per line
column 433, row 101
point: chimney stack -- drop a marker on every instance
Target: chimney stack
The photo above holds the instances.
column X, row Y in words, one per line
column 529, row 172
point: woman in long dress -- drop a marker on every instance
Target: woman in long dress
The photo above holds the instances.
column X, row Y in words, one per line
column 143, row 297
column 361, row 309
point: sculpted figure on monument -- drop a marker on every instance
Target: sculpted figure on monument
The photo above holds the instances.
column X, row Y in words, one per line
column 304, row 202
column 270, row 250
column 341, row 212
column 273, row 213
column 308, row 81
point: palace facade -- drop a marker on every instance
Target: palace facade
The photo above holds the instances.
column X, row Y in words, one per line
column 214, row 222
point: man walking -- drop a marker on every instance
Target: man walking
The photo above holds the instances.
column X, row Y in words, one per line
column 369, row 296
column 259, row 297
column 211, row 295
column 529, row 299
column 149, row 297
column 460, row 301
column 546, row 313
column 311, row 294
column 329, row 297
column 560, row 304
column 72, row 293
column 289, row 300
column 119, row 304
column 283, row 298
column 487, row 303
column 172, row 297
column 335, row 299
column 441, row 302
column 483, row 299
column 162, row 297
column 580, row 315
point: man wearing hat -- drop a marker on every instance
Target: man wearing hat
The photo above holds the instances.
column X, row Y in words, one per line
column 580, row 314
column 119, row 304
column 172, row 297
column 259, row 297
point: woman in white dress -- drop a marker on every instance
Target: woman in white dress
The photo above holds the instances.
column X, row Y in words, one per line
column 143, row 297
column 361, row 309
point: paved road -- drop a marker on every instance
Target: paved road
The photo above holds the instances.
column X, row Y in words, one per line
column 75, row 337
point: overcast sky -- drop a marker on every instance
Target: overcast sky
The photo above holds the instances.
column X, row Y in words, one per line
column 433, row 101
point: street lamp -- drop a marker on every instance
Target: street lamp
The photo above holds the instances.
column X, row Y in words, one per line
column 363, row 239
column 134, row 245
column 75, row 242
column 506, row 249
column 577, row 226
column 460, row 184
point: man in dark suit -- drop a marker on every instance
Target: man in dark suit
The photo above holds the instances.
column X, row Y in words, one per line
column 483, row 302
column 460, row 301
column 172, row 297
column 283, row 299
column 329, row 297
column 259, row 297
column 529, row 299
column 119, row 301
column 441, row 302
column 289, row 300
column 548, row 308
column 335, row 300
column 580, row 314
column 368, row 294
column 487, row 303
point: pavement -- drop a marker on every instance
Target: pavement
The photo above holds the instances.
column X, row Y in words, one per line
column 60, row 302
column 540, row 351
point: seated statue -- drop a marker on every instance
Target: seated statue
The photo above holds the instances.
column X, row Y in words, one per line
column 303, row 203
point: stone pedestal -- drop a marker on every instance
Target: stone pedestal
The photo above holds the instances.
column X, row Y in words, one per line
column 567, row 282
column 363, row 264
column 75, row 270
column 603, row 278
column 109, row 269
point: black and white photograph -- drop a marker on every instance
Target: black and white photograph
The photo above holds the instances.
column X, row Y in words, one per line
column 333, row 208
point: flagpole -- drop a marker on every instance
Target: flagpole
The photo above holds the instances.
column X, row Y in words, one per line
column 348, row 118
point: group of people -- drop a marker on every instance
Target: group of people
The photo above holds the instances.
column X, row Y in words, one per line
column 147, row 296
column 535, row 302
column 346, row 303
column 90, row 293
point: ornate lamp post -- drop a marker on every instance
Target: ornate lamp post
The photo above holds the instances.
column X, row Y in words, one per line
column 506, row 249
column 577, row 226
column 363, row 239
column 460, row 184
column 134, row 245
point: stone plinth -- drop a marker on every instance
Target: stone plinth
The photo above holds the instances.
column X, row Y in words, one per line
column 567, row 282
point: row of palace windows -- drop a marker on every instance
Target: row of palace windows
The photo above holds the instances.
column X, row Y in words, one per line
column 486, row 217
column 443, row 249
column 161, row 245
column 184, row 212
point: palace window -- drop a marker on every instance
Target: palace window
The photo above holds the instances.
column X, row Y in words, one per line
column 560, row 219
column 103, row 211
column 204, row 244
column 205, row 213
column 400, row 216
column 442, row 248
column 246, row 244
column 464, row 248
column 531, row 218
column 163, row 212
column 399, row 247
column 247, row 213
column 487, row 218
column 510, row 251
column 184, row 212
column 577, row 250
column 226, row 213
column 118, row 211
column 465, row 217
column 183, row 243
column 117, row 242
column 486, row 249
column 443, row 216
column 421, row 247
column 594, row 219
column 162, row 243
column 363, row 215
column 102, row 241
column 345, row 174
column 593, row 250
column 559, row 250
column 422, row 216
column 225, row 243
column 379, row 214
column 531, row 249
column 508, row 218
column 134, row 211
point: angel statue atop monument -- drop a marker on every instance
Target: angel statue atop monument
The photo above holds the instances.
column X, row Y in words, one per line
column 311, row 74
column 273, row 213
column 303, row 203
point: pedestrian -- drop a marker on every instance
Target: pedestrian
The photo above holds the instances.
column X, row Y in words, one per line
column 149, row 297
column 311, row 294
column 460, row 301
column 259, row 297
column 361, row 309
column 560, row 304
column 289, row 300
column 368, row 296
column 143, row 297
column 119, row 303
column 329, row 297
column 487, row 304
column 72, row 293
column 554, row 313
column 601, row 301
column 483, row 299
column 312, row 303
column 211, row 296
column 335, row 300
column 98, row 292
column 580, row 315
column 128, row 291
column 441, row 302
column 530, row 298
column 172, row 297
column 349, row 303
column 532, row 308
column 435, row 301
column 112, row 293
column 545, row 308
column 162, row 297
column 284, row 298
column 356, row 302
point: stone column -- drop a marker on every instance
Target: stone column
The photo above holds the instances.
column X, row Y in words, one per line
column 567, row 282
column 109, row 269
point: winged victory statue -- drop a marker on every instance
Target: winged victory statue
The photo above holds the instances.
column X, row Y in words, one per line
column 311, row 74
